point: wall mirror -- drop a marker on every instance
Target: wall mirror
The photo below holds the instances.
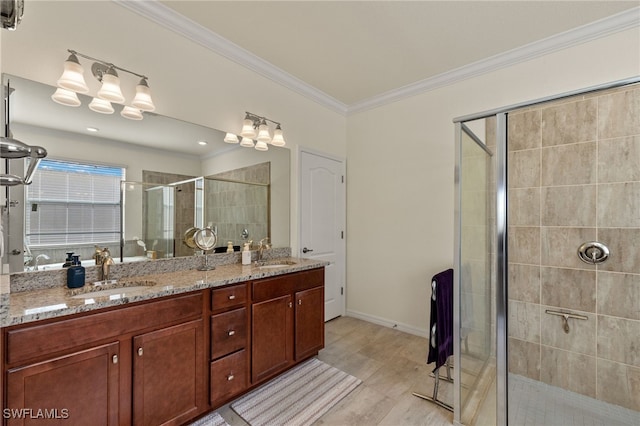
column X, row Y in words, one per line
column 156, row 152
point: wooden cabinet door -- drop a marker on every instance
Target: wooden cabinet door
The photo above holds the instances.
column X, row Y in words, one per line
column 309, row 322
column 168, row 375
column 271, row 337
column 77, row 389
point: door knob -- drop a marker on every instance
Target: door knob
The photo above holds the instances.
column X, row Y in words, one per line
column 306, row 250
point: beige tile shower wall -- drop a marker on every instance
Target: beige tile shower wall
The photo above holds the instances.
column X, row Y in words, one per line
column 574, row 176
column 234, row 207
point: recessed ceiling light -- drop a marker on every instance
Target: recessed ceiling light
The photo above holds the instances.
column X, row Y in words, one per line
column 92, row 129
column 202, row 142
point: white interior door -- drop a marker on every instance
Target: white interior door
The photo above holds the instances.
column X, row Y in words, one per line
column 322, row 222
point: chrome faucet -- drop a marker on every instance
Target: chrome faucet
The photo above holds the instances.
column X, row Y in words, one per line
column 38, row 257
column 264, row 244
column 105, row 261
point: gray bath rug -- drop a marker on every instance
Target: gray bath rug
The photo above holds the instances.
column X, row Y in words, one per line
column 213, row 419
column 298, row 397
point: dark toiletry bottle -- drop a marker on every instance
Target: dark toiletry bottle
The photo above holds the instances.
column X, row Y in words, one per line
column 75, row 274
column 69, row 260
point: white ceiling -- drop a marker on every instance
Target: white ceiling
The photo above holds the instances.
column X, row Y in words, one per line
column 356, row 50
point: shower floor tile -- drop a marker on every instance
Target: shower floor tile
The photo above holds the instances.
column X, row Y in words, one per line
column 533, row 403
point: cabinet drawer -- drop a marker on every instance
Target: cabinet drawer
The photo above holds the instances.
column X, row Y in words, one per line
column 270, row 288
column 228, row 332
column 228, row 377
column 33, row 341
column 228, row 297
column 310, row 279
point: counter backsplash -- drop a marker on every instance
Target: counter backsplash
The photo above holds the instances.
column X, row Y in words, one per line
column 37, row 280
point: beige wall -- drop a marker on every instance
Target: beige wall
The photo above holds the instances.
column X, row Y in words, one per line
column 400, row 174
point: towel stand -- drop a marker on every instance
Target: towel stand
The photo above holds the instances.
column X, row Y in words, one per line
column 441, row 333
column 436, row 386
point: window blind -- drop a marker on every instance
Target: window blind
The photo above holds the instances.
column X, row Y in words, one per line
column 73, row 203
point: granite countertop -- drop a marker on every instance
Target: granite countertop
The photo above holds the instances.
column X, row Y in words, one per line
column 28, row 306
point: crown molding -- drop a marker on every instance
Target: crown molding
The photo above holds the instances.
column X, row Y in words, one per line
column 615, row 23
column 168, row 18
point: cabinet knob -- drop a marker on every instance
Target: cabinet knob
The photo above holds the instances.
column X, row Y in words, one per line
column 230, row 377
column 231, row 332
column 299, row 301
column 140, row 351
column 290, row 305
column 232, row 296
column 114, row 359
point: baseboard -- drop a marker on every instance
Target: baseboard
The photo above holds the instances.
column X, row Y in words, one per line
column 422, row 332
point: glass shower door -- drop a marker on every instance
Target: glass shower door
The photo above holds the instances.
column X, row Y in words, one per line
column 474, row 325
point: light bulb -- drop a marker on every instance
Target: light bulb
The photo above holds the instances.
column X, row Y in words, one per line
column 72, row 77
column 101, row 106
column 231, row 138
column 66, row 97
column 143, row 99
column 248, row 131
column 278, row 138
column 247, row 142
column 131, row 113
column 263, row 133
column 110, row 90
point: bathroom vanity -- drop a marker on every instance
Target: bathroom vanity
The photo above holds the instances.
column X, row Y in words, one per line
column 163, row 353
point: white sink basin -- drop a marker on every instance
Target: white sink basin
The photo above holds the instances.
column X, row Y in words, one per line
column 277, row 264
column 101, row 289
column 108, row 292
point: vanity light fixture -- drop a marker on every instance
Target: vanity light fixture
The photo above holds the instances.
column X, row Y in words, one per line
column 131, row 113
column 256, row 127
column 231, row 138
column 72, row 82
column 66, row 97
column 101, row 106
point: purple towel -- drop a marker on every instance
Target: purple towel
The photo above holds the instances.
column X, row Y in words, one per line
column 442, row 318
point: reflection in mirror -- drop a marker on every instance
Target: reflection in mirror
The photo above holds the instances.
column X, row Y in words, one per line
column 156, row 145
column 148, row 220
column 159, row 220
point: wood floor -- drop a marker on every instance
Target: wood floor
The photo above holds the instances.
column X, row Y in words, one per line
column 391, row 365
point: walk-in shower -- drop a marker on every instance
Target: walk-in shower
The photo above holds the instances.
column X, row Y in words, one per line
column 547, row 261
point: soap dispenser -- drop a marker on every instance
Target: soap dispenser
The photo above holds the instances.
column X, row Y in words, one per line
column 75, row 273
column 246, row 254
column 69, row 260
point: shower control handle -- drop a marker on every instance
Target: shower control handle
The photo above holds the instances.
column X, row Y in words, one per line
column 593, row 252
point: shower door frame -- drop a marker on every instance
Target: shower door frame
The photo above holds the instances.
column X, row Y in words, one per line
column 500, row 240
